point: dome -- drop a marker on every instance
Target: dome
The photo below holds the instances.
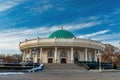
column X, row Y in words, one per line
column 62, row 34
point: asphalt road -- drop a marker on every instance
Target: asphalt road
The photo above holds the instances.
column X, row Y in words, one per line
column 64, row 75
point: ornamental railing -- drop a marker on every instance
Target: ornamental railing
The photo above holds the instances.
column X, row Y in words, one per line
column 48, row 41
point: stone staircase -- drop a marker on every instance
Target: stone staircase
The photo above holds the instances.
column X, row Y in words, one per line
column 54, row 66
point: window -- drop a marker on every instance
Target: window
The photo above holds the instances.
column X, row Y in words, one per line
column 50, row 53
column 76, row 54
column 63, row 53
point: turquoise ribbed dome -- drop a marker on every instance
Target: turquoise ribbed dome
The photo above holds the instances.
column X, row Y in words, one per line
column 62, row 34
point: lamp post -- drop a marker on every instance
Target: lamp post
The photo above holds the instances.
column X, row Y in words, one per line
column 99, row 55
column 33, row 53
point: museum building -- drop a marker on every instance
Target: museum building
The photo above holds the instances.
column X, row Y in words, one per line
column 60, row 47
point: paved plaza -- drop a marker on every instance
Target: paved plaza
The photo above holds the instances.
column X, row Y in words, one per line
column 64, row 75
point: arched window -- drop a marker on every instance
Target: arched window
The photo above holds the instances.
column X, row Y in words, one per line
column 63, row 53
column 76, row 54
column 50, row 53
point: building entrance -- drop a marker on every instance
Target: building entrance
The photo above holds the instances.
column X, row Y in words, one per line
column 76, row 56
column 50, row 60
column 63, row 60
column 75, row 59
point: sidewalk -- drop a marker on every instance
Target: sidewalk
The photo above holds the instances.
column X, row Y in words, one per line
column 106, row 70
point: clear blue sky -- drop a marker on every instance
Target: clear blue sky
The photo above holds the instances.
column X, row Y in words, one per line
column 26, row 19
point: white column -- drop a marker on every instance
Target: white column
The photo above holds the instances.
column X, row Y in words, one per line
column 40, row 55
column 33, row 57
column 86, row 54
column 55, row 55
column 23, row 56
column 30, row 52
column 95, row 55
column 25, row 59
column 72, row 61
column 99, row 55
column 33, row 54
column 36, row 56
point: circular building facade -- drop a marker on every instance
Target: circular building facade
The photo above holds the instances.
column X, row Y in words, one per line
column 60, row 47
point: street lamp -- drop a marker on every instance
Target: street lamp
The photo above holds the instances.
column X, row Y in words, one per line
column 99, row 55
column 33, row 53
